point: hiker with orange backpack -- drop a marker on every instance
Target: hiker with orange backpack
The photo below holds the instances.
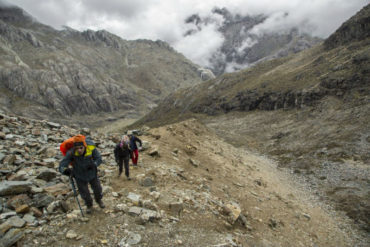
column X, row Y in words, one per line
column 85, row 158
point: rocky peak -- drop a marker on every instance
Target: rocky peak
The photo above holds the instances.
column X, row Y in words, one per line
column 242, row 47
column 355, row 29
column 102, row 35
column 96, row 70
column 13, row 14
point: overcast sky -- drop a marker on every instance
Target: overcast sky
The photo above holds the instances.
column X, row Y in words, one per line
column 164, row 19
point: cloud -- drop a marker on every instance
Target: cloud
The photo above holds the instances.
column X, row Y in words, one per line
column 164, row 19
column 200, row 46
column 316, row 17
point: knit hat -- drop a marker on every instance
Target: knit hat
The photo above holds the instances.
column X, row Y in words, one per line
column 79, row 140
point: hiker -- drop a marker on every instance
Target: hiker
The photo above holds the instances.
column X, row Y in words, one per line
column 85, row 159
column 133, row 147
column 122, row 155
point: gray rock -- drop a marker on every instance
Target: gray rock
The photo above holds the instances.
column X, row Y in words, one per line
column 19, row 143
column 16, row 221
column 14, row 187
column 194, row 162
column 29, row 218
column 4, row 227
column 8, row 215
column 53, row 206
column 9, row 137
column 149, row 215
column 135, row 211
column 150, row 205
column 121, row 208
column 18, row 200
column 64, row 206
column 85, row 131
column 9, row 159
column 42, row 200
column 307, row 216
column 2, row 156
column 47, row 174
column 134, row 198
column 145, row 145
column 147, row 182
column 131, row 239
column 53, row 125
column 176, row 207
column 206, row 74
column 154, row 152
column 49, row 161
column 11, row 237
column 71, row 234
column 44, row 138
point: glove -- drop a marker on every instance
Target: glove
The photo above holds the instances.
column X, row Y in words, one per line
column 67, row 171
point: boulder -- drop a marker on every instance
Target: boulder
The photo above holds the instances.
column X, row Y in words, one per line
column 4, row 227
column 233, row 211
column 11, row 237
column 47, row 174
column 16, row 221
column 134, row 198
column 58, row 189
column 14, row 187
column 18, row 200
column 30, row 219
column 147, row 182
column 42, row 200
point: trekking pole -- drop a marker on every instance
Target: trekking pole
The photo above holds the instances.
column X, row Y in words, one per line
column 75, row 193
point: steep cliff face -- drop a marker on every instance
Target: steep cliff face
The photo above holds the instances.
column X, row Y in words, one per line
column 71, row 72
column 356, row 28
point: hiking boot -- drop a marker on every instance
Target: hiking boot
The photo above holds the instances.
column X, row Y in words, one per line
column 101, row 204
column 128, row 178
column 89, row 209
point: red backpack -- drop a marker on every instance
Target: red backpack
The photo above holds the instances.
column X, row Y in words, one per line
column 68, row 144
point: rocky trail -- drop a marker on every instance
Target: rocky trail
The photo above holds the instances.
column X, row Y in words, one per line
column 190, row 189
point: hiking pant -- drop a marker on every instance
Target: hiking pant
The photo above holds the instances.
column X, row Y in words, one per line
column 134, row 156
column 124, row 160
column 83, row 188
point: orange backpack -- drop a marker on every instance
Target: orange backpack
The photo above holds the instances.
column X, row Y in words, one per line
column 68, row 144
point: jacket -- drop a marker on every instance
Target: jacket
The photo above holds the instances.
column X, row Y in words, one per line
column 121, row 152
column 133, row 140
column 82, row 163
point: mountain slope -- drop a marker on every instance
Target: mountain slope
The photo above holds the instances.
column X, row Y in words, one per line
column 71, row 72
column 309, row 111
